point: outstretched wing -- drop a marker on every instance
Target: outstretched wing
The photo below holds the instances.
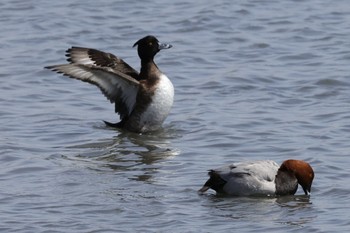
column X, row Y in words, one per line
column 118, row 87
column 87, row 56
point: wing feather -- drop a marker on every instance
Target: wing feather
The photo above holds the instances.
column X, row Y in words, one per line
column 87, row 56
column 262, row 170
column 119, row 88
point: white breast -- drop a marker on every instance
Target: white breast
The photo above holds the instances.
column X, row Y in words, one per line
column 160, row 106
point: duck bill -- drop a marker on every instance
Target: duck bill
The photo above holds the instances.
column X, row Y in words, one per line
column 164, row 46
column 307, row 191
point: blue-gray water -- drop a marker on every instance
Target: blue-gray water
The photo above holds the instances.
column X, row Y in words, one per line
column 253, row 80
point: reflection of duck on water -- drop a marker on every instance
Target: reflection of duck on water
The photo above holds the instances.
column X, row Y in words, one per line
column 138, row 154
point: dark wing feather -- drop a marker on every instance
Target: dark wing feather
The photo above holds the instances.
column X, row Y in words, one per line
column 116, row 86
column 95, row 57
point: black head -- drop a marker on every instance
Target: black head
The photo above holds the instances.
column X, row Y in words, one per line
column 149, row 46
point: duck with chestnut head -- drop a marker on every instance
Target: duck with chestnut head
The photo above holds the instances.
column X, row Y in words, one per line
column 258, row 178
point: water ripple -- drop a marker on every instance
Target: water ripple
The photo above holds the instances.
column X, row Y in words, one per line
column 253, row 80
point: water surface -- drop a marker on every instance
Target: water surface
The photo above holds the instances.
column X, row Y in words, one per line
column 253, row 80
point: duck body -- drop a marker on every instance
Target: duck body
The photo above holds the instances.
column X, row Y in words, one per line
column 142, row 100
column 150, row 116
column 260, row 178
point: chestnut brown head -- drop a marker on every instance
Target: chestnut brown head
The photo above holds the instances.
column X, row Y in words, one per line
column 302, row 171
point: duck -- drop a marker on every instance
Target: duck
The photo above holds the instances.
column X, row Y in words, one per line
column 260, row 178
column 142, row 99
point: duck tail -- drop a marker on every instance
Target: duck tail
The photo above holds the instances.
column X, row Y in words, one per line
column 114, row 125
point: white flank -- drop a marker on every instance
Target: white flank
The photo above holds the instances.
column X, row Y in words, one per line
column 159, row 109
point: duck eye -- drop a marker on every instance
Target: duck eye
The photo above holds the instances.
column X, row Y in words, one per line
column 150, row 43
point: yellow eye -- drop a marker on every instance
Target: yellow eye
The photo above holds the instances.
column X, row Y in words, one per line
column 150, row 43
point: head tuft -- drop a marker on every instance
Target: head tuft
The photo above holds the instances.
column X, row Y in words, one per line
column 149, row 46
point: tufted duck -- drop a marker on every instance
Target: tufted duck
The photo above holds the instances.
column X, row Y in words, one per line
column 143, row 100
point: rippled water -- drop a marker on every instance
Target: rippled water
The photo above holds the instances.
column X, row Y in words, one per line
column 253, row 80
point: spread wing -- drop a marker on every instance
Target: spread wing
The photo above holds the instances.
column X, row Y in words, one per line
column 117, row 80
column 118, row 87
column 86, row 56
